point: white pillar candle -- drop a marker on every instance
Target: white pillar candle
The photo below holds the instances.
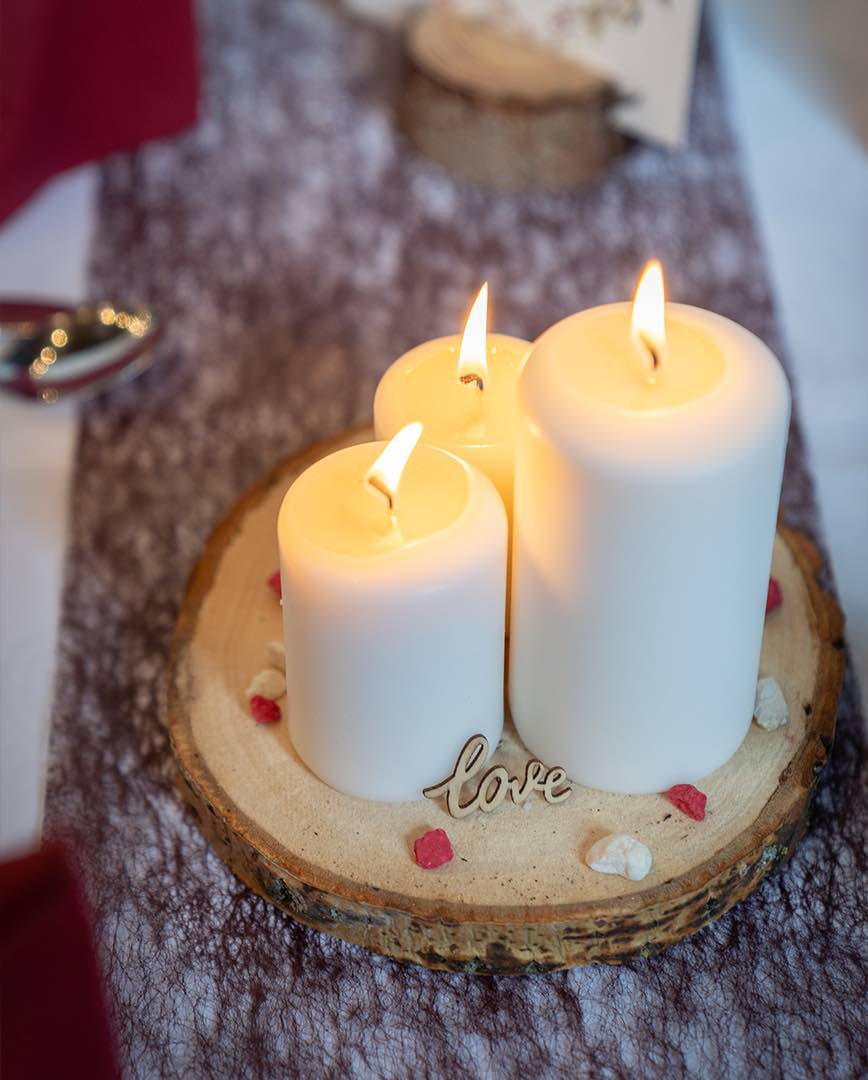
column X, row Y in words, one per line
column 644, row 519
column 393, row 607
column 463, row 389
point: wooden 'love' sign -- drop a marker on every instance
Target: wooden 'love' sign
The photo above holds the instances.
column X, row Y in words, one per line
column 518, row 897
column 492, row 789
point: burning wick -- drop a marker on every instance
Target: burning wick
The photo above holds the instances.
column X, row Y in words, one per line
column 384, row 475
column 655, row 359
column 648, row 317
column 377, row 484
column 472, row 364
column 467, row 379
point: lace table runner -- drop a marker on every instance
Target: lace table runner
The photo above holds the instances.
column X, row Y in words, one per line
column 294, row 247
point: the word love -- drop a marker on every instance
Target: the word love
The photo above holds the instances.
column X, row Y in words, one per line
column 496, row 784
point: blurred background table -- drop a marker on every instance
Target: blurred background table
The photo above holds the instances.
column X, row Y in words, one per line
column 793, row 93
column 799, row 109
column 796, row 83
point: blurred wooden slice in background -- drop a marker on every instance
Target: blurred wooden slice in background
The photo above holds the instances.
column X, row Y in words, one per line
column 502, row 111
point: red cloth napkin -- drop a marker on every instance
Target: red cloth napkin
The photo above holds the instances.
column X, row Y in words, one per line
column 80, row 79
column 54, row 1019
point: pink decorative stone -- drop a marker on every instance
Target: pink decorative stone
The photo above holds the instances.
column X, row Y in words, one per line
column 433, row 849
column 689, row 800
column 274, row 583
column 775, row 596
column 264, row 710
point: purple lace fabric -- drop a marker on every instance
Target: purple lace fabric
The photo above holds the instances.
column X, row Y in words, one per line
column 293, row 247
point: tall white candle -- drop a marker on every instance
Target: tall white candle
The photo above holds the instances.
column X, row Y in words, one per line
column 393, row 607
column 644, row 519
column 463, row 389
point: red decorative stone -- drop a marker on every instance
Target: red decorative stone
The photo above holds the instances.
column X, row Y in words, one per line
column 689, row 800
column 265, row 711
column 274, row 583
column 433, row 849
column 775, row 596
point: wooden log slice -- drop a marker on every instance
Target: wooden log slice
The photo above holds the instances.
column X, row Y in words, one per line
column 517, row 898
column 501, row 111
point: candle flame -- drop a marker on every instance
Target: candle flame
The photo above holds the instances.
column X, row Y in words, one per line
column 648, row 319
column 384, row 475
column 472, row 364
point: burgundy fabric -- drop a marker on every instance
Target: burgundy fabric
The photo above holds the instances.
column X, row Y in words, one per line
column 80, row 79
column 51, row 1003
column 294, row 246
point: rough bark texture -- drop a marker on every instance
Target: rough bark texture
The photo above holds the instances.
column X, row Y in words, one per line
column 293, row 250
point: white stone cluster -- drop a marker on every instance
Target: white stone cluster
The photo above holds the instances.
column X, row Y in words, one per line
column 770, row 710
column 277, row 655
column 620, row 854
column 268, row 683
column 271, row 681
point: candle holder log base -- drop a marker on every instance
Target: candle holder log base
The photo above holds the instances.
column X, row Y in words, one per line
column 503, row 112
column 518, row 897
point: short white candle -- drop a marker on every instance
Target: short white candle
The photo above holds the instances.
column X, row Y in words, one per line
column 393, row 616
column 644, row 520
column 463, row 389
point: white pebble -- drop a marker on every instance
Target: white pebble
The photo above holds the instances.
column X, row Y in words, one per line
column 620, row 854
column 277, row 655
column 770, row 710
column 268, row 683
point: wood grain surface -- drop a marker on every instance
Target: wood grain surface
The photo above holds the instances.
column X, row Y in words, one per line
column 518, row 897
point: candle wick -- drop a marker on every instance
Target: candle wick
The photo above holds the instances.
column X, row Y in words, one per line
column 381, row 489
column 466, row 379
column 653, row 352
